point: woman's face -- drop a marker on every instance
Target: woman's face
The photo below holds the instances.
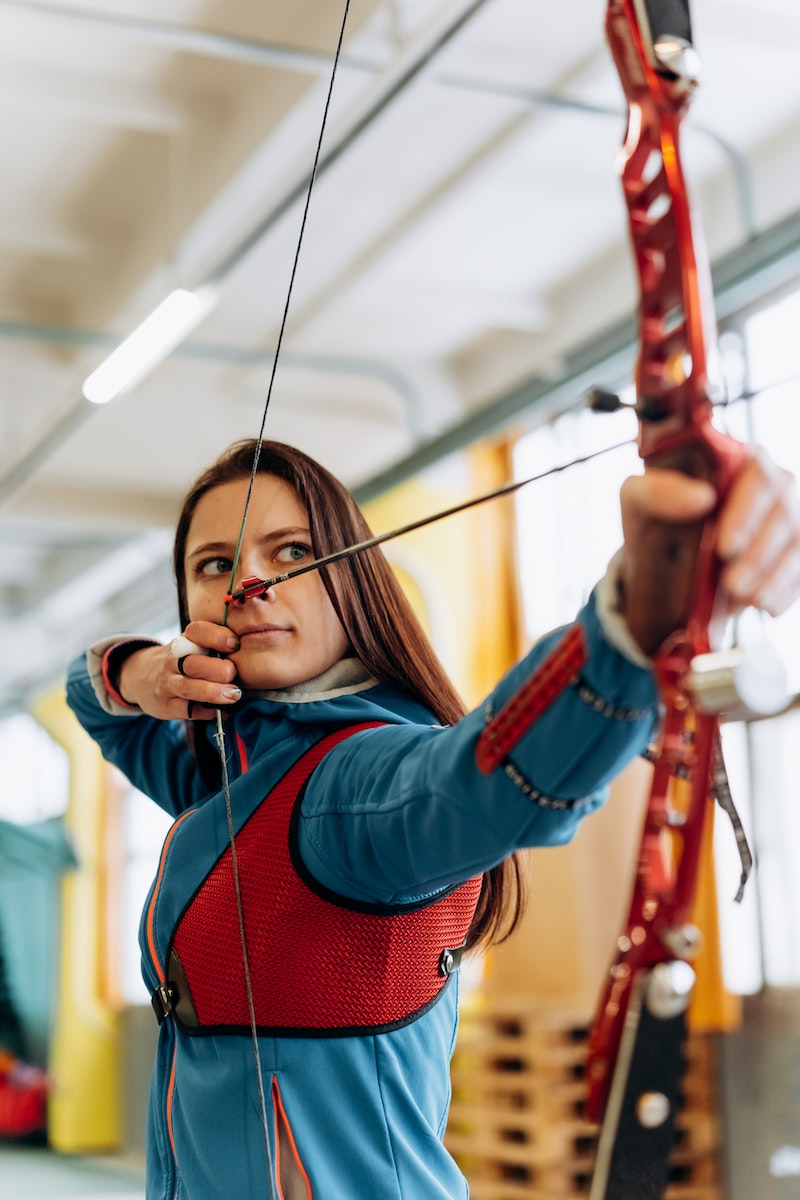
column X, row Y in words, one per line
column 288, row 635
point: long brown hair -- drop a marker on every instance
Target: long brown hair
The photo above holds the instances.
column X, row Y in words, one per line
column 376, row 615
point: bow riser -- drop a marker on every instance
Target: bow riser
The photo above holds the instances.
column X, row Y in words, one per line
column 675, row 580
column 677, row 328
column 677, row 332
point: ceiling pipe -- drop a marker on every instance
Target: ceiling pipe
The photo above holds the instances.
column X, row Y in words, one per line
column 534, row 98
column 184, row 40
column 744, row 278
column 383, row 91
column 221, row 46
column 219, row 352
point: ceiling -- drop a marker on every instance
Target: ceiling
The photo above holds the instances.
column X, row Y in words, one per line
column 464, row 260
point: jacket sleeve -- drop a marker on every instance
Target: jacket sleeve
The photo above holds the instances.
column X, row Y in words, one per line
column 397, row 813
column 152, row 754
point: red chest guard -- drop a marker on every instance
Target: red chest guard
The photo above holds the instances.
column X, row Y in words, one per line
column 321, row 965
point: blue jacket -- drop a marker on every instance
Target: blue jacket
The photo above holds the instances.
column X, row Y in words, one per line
column 392, row 815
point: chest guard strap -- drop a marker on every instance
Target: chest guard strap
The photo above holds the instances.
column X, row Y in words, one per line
column 321, row 965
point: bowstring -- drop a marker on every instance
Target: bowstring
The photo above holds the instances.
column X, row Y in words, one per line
column 219, row 724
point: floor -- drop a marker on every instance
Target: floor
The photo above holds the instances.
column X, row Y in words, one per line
column 761, row 1099
column 760, row 1103
column 36, row 1173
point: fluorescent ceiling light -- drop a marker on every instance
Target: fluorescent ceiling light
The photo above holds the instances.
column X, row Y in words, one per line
column 149, row 344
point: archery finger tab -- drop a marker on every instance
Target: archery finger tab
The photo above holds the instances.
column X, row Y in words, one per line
column 181, row 647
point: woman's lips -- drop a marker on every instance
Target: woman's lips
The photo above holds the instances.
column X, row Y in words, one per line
column 262, row 631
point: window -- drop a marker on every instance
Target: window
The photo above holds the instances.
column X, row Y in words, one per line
column 568, row 529
column 35, row 772
column 568, row 524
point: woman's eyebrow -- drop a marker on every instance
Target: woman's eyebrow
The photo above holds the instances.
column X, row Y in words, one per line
column 273, row 535
column 220, row 548
column 276, row 535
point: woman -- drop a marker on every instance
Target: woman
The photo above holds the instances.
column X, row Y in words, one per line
column 304, row 978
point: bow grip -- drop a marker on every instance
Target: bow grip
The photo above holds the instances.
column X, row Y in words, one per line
column 671, row 582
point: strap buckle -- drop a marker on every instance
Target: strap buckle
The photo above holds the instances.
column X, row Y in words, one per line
column 450, row 961
column 163, row 1000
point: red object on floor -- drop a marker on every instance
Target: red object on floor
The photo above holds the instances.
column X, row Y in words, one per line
column 23, row 1097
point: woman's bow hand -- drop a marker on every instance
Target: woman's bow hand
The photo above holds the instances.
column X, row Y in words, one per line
column 166, row 683
column 757, row 538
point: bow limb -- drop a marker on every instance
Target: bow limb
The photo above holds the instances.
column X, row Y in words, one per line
column 670, row 595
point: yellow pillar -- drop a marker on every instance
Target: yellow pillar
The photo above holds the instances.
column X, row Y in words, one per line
column 84, row 1112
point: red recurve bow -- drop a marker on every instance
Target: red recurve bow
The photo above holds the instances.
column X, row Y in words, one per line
column 635, row 1043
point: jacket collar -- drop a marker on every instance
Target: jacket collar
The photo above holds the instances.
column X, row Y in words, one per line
column 346, row 676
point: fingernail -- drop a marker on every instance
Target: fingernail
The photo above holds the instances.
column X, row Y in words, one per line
column 233, row 644
column 741, row 582
column 231, row 693
column 732, row 550
column 769, row 601
column 739, row 541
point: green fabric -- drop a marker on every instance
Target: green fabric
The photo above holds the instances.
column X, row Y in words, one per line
column 34, row 849
column 32, row 860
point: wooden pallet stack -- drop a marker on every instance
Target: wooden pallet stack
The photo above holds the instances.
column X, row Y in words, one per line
column 516, row 1123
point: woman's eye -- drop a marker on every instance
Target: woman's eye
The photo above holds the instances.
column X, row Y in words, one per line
column 292, row 552
column 212, row 567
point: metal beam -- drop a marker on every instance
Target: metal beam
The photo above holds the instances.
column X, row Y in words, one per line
column 386, row 87
column 182, row 39
column 743, row 278
column 383, row 90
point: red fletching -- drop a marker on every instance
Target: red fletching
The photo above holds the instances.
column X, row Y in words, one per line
column 248, row 589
